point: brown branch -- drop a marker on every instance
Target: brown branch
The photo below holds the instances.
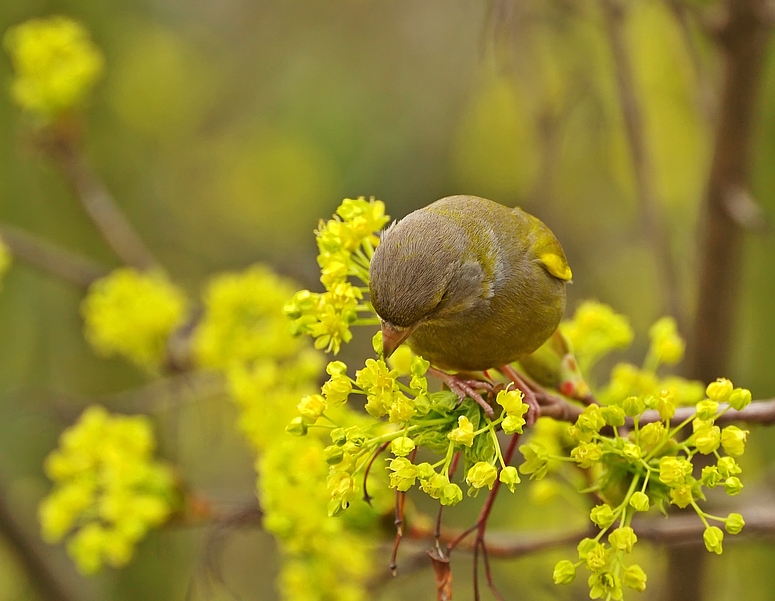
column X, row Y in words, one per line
column 49, row 584
column 680, row 529
column 705, row 95
column 758, row 412
column 50, row 258
column 62, row 147
column 632, row 112
column 744, row 38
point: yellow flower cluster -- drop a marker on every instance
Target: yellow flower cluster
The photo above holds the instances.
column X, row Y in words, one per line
column 595, row 331
column 109, row 491
column 243, row 319
column 132, row 314
column 651, row 466
column 5, row 258
column 346, row 244
column 323, row 557
column 56, row 65
column 244, row 333
column 434, row 420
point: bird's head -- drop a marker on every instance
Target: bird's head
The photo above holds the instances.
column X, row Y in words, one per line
column 420, row 273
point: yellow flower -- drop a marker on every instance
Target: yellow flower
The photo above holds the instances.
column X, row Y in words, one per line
column 667, row 346
column 733, row 440
column 464, row 433
column 243, row 319
column 596, row 330
column 587, row 454
column 403, row 474
column 719, row 390
column 674, row 470
column 482, row 474
column 109, row 491
column 132, row 314
column 56, row 65
column 707, row 439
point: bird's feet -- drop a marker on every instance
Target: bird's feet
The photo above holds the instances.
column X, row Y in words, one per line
column 534, row 409
column 466, row 388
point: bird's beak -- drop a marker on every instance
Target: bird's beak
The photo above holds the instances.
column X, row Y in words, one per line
column 392, row 337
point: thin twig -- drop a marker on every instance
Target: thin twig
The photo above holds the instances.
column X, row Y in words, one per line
column 50, row 258
column 50, row 585
column 680, row 529
column 744, row 37
column 97, row 202
column 632, row 113
column 481, row 523
column 758, row 412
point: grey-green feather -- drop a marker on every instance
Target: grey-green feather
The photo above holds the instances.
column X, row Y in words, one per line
column 467, row 274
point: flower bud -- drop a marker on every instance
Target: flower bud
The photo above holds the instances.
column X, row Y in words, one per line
column 451, row 495
column 464, row 433
column 710, row 477
column 719, row 390
column 338, row 436
column 707, row 439
column 734, row 523
column 666, row 405
column 651, row 434
column 706, row 410
column 639, row 501
column 613, row 415
column 482, row 474
column 297, row 427
column 401, row 447
column 633, row 406
column 740, row 398
column 425, row 470
column 623, row 539
column 733, row 486
column 333, row 454
column 713, row 537
column 631, row 451
column 564, row 572
column 733, row 440
column 509, row 477
column 681, row 495
column 635, row 578
column 602, row 515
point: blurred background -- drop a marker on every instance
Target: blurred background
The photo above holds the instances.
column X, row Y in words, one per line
column 227, row 129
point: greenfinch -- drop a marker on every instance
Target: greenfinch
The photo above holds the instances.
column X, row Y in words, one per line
column 468, row 283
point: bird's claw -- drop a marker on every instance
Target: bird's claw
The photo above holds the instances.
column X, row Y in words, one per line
column 466, row 388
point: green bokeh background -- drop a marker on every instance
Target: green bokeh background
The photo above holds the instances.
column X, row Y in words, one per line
column 227, row 129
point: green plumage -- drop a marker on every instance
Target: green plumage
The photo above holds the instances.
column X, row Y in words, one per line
column 474, row 284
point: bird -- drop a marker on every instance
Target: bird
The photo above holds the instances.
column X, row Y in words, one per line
column 470, row 285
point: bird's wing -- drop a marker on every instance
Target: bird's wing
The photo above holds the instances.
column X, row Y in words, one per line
column 547, row 249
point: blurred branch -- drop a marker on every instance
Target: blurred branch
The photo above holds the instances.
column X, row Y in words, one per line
column 40, row 574
column 209, row 571
column 743, row 36
column 51, row 258
column 758, row 412
column 632, row 112
column 97, row 201
column 705, row 96
column 680, row 529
